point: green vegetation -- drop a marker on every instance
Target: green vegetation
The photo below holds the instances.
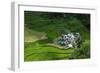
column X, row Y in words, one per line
column 37, row 52
column 42, row 28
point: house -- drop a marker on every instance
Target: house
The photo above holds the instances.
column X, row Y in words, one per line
column 69, row 41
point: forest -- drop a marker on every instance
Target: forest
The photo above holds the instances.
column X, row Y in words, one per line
column 41, row 29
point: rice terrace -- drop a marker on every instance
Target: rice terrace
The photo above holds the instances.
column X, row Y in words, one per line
column 56, row 36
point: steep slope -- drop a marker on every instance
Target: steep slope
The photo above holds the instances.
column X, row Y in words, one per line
column 32, row 36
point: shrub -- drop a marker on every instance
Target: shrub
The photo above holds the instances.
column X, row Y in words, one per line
column 82, row 52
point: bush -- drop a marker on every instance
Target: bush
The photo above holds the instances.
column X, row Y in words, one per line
column 82, row 52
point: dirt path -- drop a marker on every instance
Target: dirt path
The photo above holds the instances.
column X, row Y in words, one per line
column 55, row 45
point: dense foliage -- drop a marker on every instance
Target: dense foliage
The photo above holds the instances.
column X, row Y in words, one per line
column 53, row 25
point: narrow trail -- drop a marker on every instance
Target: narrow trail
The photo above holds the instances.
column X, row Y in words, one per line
column 55, row 45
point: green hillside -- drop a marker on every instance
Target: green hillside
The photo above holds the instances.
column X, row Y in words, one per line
column 42, row 28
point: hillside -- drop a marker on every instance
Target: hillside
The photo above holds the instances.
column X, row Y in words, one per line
column 42, row 28
column 32, row 36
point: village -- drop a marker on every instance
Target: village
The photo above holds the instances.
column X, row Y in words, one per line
column 70, row 40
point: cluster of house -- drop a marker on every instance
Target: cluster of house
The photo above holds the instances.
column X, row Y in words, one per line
column 70, row 40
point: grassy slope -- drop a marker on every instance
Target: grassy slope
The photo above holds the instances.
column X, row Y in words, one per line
column 31, row 36
column 38, row 52
column 37, row 49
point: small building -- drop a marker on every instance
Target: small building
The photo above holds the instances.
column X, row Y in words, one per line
column 69, row 40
